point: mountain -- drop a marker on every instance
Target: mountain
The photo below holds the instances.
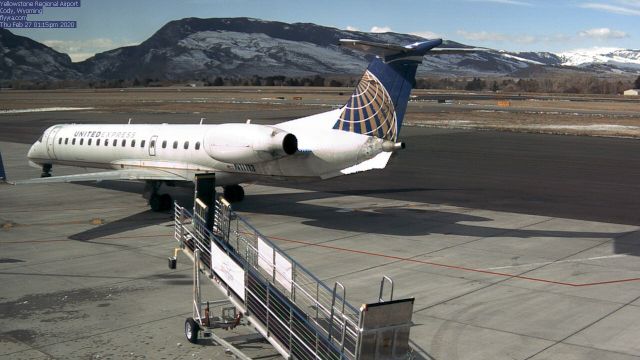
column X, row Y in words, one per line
column 614, row 59
column 194, row 48
column 25, row 59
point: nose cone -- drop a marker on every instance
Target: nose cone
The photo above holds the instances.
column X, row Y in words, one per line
column 36, row 151
column 32, row 151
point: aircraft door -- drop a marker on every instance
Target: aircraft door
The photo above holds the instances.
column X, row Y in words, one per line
column 51, row 141
column 152, row 145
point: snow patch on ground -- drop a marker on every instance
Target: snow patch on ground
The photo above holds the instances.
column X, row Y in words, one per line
column 592, row 127
column 19, row 111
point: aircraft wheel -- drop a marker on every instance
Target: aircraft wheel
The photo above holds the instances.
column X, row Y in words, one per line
column 234, row 193
column 155, row 202
column 166, row 203
column 191, row 329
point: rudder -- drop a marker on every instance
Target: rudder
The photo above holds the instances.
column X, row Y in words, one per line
column 379, row 102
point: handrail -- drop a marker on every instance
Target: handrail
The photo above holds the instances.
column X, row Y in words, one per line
column 244, row 250
column 388, row 279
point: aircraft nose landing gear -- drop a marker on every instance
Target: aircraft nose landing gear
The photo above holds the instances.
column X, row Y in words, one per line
column 46, row 170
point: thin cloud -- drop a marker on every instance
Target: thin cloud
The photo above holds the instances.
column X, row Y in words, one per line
column 352, row 28
column 426, row 34
column 380, row 29
column 626, row 7
column 505, row 2
column 603, row 34
column 80, row 50
column 497, row 37
column 526, row 39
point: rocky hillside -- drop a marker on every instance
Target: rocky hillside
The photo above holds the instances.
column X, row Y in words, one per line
column 24, row 59
column 195, row 48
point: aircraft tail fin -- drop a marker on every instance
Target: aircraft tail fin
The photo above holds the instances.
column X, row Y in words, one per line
column 379, row 102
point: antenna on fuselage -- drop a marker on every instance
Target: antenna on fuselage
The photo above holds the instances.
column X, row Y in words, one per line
column 201, row 120
column 129, row 123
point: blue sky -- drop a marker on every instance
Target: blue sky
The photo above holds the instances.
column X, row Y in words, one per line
column 518, row 25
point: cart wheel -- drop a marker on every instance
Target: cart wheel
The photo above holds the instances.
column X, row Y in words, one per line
column 191, row 329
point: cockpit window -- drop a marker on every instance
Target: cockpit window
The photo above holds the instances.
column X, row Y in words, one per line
column 40, row 138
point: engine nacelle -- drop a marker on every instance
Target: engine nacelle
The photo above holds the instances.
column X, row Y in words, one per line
column 248, row 143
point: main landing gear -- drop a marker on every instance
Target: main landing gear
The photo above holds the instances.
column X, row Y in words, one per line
column 233, row 193
column 157, row 202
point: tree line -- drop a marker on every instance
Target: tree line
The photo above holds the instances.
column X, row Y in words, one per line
column 569, row 84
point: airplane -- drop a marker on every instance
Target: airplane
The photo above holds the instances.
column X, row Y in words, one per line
column 359, row 136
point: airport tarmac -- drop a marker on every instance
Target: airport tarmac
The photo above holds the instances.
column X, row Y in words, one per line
column 515, row 246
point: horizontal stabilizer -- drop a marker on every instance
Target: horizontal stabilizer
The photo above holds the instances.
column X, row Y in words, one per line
column 127, row 174
column 392, row 52
column 457, row 51
column 369, row 47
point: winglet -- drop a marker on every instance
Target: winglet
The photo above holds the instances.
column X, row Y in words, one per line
column 3, row 175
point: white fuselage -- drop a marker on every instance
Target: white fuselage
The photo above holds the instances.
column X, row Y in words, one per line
column 187, row 149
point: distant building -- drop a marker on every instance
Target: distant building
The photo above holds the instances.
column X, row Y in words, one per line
column 632, row 92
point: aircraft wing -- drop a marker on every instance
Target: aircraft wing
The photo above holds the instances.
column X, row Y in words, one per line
column 125, row 174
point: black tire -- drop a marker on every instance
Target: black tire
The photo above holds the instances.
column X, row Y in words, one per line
column 166, row 202
column 155, row 202
column 191, row 329
column 234, row 193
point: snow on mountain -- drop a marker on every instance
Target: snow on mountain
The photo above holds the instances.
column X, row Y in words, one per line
column 195, row 48
column 244, row 47
column 615, row 57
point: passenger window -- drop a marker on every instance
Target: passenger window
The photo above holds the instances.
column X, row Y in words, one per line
column 115, row 142
column 73, row 141
column 186, row 145
column 124, row 142
column 89, row 142
column 98, row 142
column 59, row 141
column 66, row 141
column 198, row 145
column 164, row 144
column 106, row 142
column 81, row 141
column 175, row 144
column 133, row 143
column 142, row 143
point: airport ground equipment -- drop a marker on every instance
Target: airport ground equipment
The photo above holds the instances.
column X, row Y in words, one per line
column 301, row 316
column 3, row 175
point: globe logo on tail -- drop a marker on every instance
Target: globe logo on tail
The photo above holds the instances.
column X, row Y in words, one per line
column 370, row 110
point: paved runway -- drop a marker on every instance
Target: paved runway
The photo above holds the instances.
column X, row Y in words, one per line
column 515, row 246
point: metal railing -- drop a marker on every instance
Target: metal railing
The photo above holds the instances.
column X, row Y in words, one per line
column 312, row 320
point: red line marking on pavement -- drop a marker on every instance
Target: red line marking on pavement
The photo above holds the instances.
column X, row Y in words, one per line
column 455, row 267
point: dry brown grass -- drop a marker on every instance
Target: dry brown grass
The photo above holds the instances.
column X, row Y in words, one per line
column 600, row 117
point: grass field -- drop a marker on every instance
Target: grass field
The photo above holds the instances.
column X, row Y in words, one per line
column 551, row 113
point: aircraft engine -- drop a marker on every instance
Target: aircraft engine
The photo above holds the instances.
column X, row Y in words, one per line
column 248, row 143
